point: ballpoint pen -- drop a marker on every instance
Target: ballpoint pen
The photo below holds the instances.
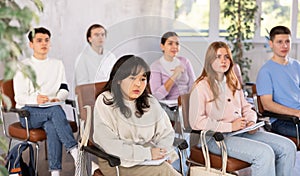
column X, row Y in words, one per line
column 155, row 145
column 238, row 114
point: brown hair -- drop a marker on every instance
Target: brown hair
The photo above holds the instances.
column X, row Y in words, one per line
column 89, row 31
column 277, row 30
column 209, row 73
column 167, row 35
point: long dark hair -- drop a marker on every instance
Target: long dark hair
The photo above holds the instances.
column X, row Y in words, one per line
column 127, row 65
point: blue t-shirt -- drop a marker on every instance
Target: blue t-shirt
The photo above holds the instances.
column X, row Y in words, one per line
column 281, row 81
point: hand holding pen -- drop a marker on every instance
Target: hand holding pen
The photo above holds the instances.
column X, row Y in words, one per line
column 157, row 152
column 250, row 124
column 239, row 123
column 41, row 99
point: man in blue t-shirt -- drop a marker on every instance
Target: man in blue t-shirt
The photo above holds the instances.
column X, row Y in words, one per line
column 278, row 81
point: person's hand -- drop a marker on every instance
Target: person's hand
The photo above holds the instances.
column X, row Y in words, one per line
column 250, row 124
column 54, row 100
column 177, row 71
column 158, row 153
column 41, row 99
column 239, row 123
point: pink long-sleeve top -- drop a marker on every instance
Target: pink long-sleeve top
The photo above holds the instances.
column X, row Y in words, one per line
column 217, row 115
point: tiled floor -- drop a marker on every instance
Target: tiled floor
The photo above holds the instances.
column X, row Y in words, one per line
column 67, row 164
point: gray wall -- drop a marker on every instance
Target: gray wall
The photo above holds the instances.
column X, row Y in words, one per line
column 134, row 26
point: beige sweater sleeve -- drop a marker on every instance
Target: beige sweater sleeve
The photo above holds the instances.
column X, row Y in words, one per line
column 164, row 134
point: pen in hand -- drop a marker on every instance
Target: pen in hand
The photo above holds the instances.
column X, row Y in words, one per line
column 157, row 152
column 238, row 114
column 41, row 99
column 238, row 123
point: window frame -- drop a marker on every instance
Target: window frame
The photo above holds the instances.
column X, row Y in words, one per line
column 214, row 13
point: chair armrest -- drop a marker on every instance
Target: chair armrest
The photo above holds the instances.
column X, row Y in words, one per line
column 196, row 131
column 71, row 102
column 218, row 136
column 22, row 113
column 180, row 143
column 281, row 116
column 112, row 160
column 249, row 83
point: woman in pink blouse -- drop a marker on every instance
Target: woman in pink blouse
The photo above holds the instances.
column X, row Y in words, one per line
column 217, row 103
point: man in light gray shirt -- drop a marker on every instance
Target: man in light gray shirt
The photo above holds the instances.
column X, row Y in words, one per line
column 94, row 63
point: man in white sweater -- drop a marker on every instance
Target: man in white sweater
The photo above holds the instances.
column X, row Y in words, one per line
column 94, row 63
column 51, row 78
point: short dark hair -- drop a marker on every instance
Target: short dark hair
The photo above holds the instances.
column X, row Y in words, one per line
column 35, row 31
column 127, row 65
column 166, row 35
column 279, row 30
column 89, row 31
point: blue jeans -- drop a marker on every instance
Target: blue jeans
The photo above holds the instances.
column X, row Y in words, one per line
column 53, row 120
column 286, row 128
column 269, row 154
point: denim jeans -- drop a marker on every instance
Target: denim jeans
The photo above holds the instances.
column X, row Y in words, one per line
column 53, row 120
column 269, row 154
column 285, row 128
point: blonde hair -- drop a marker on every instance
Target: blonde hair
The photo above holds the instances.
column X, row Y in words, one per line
column 209, row 73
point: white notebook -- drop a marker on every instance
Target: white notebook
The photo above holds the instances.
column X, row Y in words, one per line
column 250, row 128
column 48, row 104
column 154, row 162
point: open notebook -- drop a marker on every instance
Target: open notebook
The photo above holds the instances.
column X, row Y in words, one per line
column 154, row 162
column 48, row 104
column 250, row 128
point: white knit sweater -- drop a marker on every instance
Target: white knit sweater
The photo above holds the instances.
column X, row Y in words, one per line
column 50, row 74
